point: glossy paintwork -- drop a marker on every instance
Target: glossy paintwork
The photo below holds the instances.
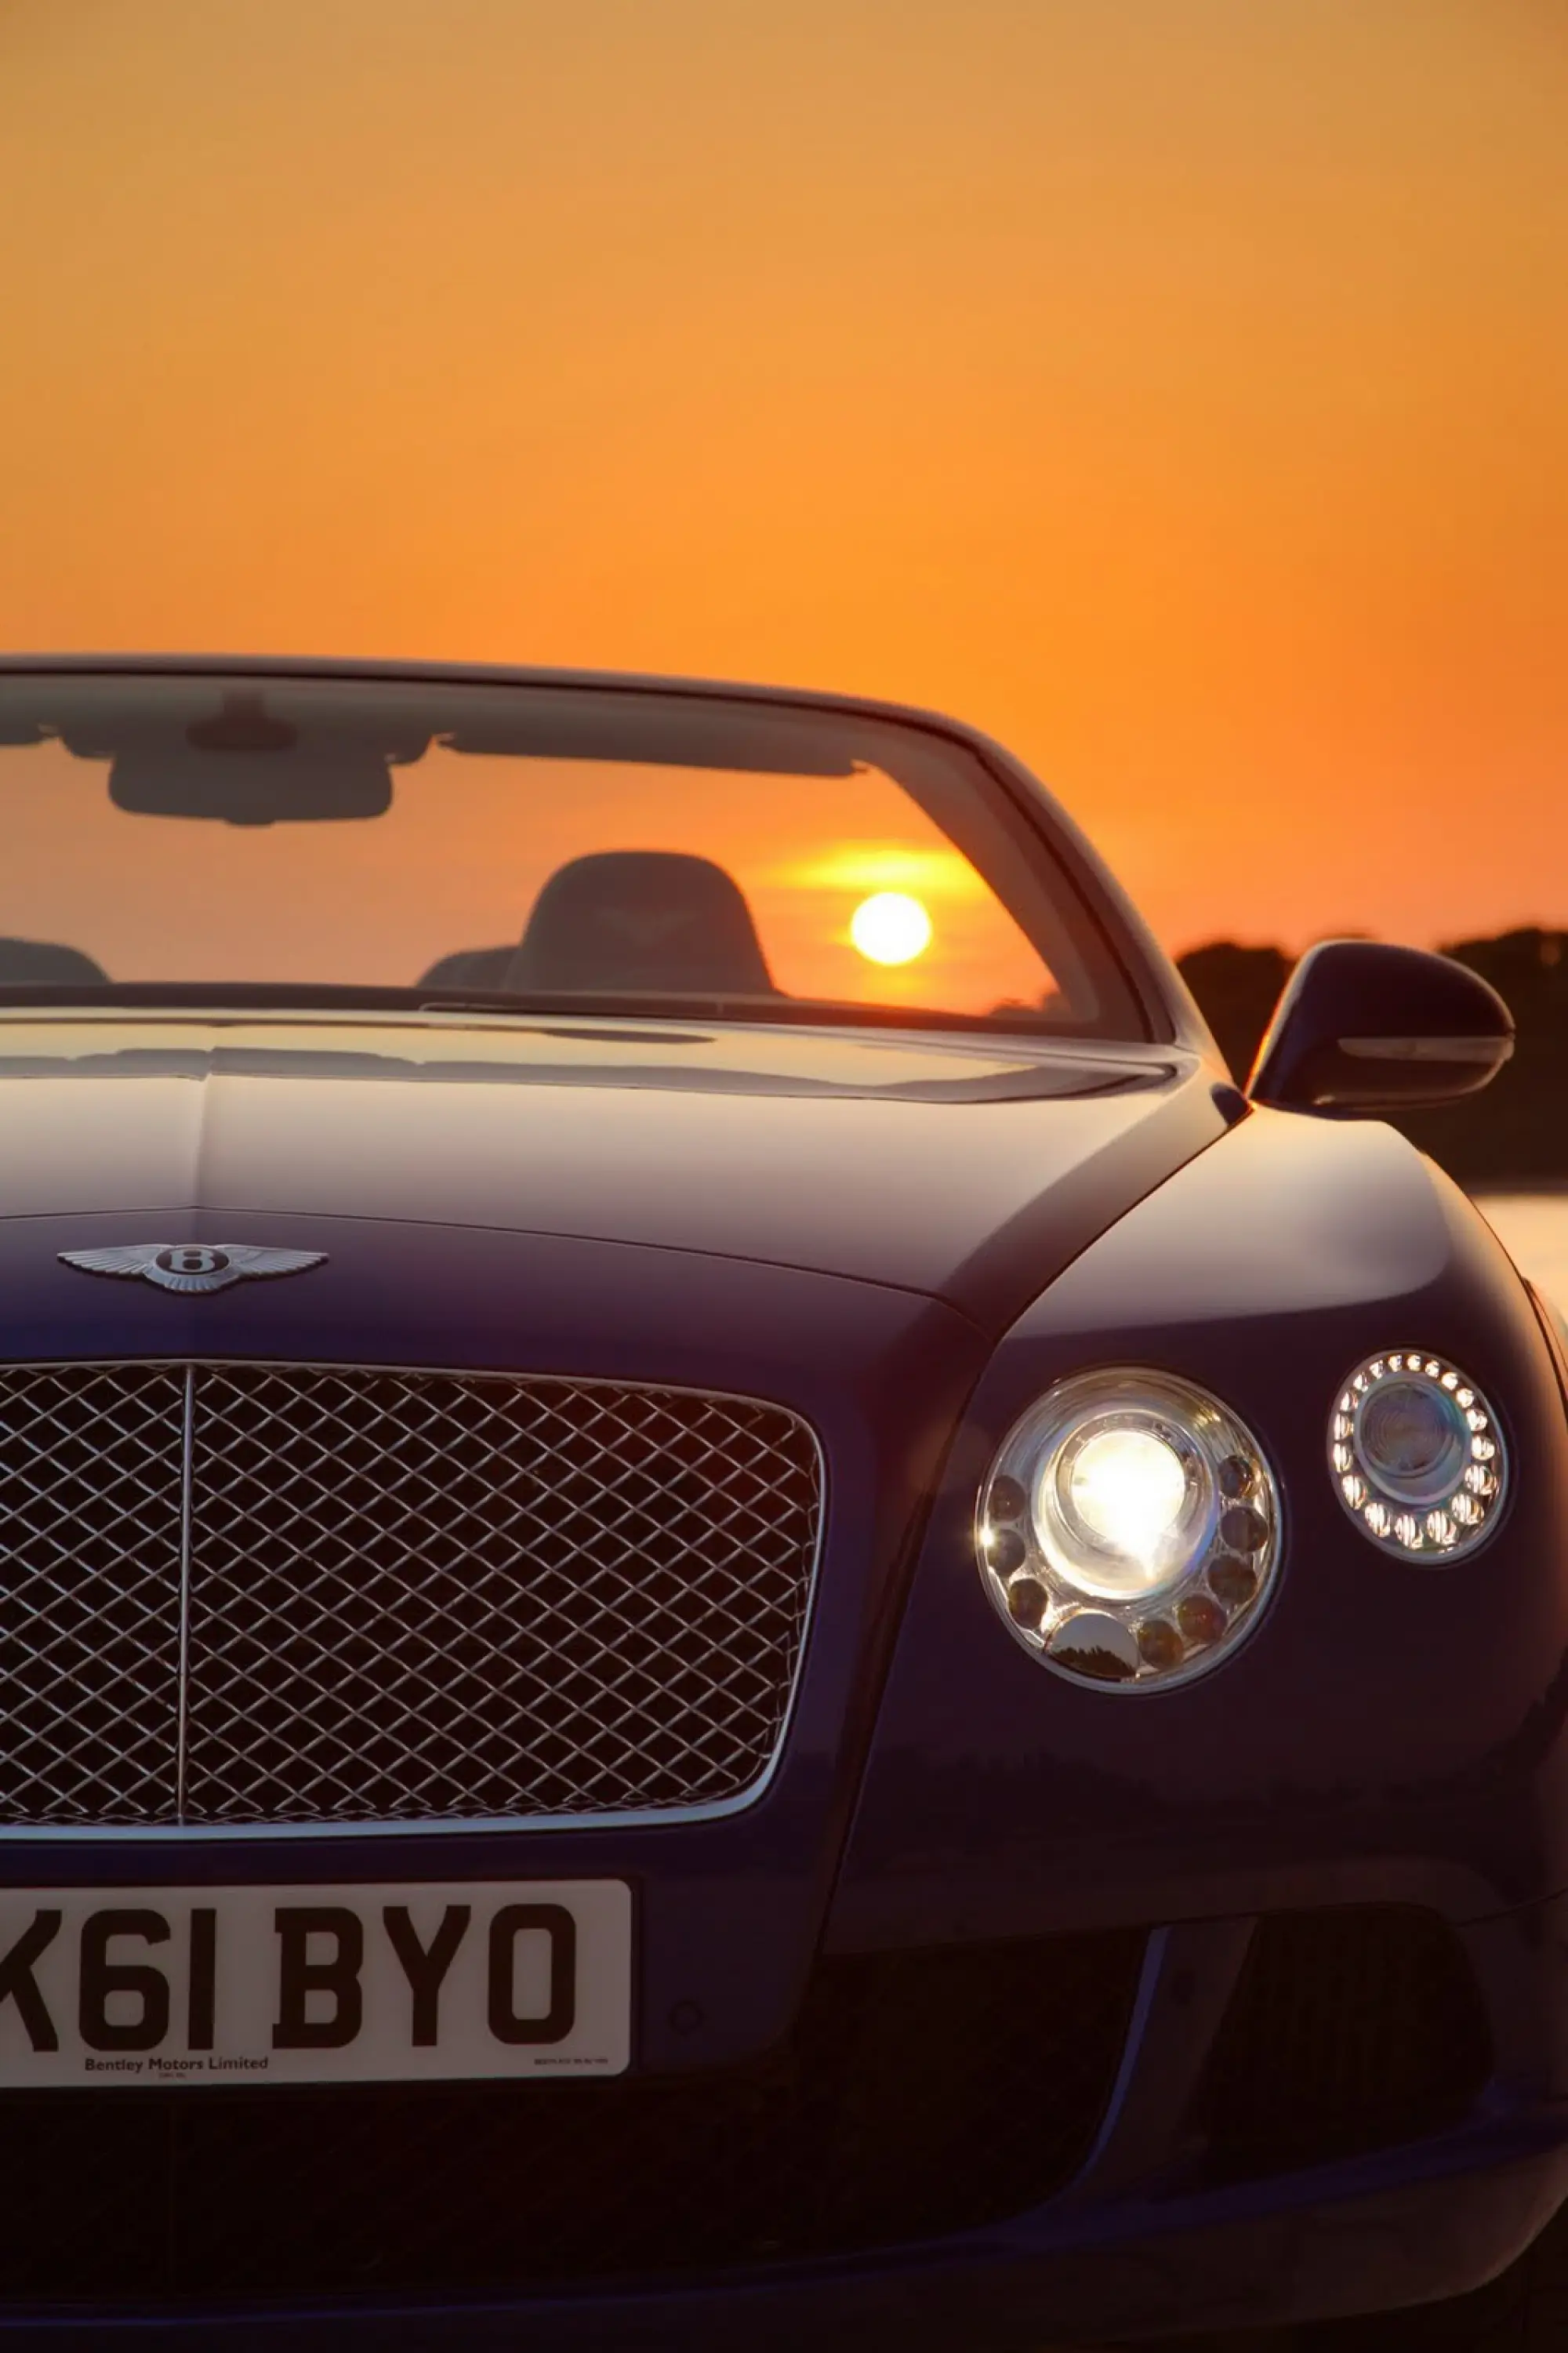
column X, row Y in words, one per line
column 817, row 1156
column 1368, row 1025
column 1389, row 1728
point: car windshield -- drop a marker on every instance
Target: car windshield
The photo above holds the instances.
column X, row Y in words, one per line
column 524, row 846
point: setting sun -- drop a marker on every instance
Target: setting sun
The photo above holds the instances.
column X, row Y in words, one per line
column 890, row 928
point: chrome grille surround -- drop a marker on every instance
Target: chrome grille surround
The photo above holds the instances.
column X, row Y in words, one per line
column 252, row 1596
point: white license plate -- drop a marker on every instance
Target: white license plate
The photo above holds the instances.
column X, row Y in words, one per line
column 314, row 1984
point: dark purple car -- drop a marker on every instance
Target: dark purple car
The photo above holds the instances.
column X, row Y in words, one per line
column 731, row 1615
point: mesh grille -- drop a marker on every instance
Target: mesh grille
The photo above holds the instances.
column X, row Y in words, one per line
column 89, row 1598
column 907, row 2103
column 400, row 1596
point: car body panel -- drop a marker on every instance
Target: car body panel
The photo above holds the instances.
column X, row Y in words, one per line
column 1387, row 1724
column 134, row 1124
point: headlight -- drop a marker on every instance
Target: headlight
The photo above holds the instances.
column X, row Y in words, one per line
column 1128, row 1530
column 1416, row 1456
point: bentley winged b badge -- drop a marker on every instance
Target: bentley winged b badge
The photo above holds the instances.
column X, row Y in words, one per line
column 192, row 1266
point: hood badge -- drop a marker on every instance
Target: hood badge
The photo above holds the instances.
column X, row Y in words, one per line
column 192, row 1266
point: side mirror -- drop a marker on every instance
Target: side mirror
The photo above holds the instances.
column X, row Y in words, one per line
column 1361, row 1026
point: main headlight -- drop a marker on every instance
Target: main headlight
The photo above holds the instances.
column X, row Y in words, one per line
column 1416, row 1456
column 1128, row 1530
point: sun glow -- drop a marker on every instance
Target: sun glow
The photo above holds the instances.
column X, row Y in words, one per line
column 890, row 928
column 931, row 873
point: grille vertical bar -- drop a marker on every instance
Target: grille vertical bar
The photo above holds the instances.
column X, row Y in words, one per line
column 187, row 1433
column 252, row 1593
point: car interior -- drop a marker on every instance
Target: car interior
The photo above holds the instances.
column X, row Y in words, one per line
column 630, row 921
column 47, row 964
column 642, row 920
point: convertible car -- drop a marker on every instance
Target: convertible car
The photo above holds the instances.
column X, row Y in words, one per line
column 733, row 1612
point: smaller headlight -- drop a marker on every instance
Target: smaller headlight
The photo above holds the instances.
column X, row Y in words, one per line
column 1417, row 1457
column 1130, row 1528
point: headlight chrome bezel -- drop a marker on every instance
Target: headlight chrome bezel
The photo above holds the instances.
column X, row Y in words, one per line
column 1122, row 1622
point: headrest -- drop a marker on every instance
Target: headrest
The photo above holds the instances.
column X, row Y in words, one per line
column 40, row 963
column 641, row 920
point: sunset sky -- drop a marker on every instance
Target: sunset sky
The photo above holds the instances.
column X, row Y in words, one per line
column 1177, row 388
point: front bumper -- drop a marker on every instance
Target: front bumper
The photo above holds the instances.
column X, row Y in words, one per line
column 1407, row 2181
column 1342, row 2240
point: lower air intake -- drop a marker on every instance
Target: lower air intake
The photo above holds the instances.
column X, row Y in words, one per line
column 922, row 2092
column 1350, row 2029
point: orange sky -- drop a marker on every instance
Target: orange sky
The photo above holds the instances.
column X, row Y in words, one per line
column 1179, row 388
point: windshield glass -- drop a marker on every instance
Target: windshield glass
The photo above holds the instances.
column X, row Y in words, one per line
column 523, row 845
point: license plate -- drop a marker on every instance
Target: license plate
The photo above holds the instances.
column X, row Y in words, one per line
column 314, row 1984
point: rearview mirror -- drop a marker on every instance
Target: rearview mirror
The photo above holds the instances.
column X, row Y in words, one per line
column 1365, row 1026
column 246, row 763
column 251, row 788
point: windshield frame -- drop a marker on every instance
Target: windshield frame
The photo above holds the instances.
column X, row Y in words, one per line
column 1053, row 851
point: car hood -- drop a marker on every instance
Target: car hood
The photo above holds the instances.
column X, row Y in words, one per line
column 968, row 1169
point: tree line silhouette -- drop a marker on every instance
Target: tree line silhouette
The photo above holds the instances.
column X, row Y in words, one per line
column 1514, row 1134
